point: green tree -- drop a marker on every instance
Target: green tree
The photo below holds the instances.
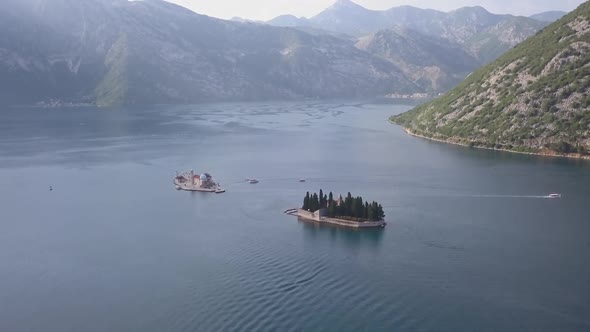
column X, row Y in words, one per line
column 360, row 208
column 371, row 212
column 354, row 207
column 306, row 202
column 348, row 202
column 380, row 213
column 315, row 203
column 332, row 209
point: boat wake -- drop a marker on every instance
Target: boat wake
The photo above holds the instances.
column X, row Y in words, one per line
column 509, row 196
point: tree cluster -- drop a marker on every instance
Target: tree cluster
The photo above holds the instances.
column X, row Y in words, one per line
column 349, row 207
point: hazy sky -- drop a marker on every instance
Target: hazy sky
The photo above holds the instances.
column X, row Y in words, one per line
column 267, row 9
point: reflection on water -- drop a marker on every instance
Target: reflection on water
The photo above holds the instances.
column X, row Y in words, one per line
column 347, row 236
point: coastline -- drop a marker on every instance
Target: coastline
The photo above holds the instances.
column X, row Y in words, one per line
column 458, row 142
column 315, row 217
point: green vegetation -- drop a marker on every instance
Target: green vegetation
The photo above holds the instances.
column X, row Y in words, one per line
column 534, row 98
column 349, row 208
column 112, row 90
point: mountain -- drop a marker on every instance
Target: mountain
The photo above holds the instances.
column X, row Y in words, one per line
column 288, row 21
column 493, row 41
column 535, row 98
column 482, row 34
column 111, row 52
column 432, row 62
column 347, row 17
column 550, row 16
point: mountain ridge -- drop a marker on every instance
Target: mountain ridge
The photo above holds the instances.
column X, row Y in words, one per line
column 434, row 62
column 112, row 52
column 549, row 16
column 534, row 99
column 483, row 34
column 118, row 52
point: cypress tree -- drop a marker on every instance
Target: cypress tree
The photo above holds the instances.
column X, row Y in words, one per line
column 306, row 202
column 354, row 207
column 315, row 203
column 348, row 204
column 380, row 213
column 376, row 211
column 359, row 207
column 332, row 209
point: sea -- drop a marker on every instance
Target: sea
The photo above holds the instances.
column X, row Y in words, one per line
column 94, row 236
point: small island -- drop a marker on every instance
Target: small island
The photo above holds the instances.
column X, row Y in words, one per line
column 347, row 212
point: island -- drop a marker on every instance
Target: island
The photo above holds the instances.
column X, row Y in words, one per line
column 347, row 212
column 189, row 181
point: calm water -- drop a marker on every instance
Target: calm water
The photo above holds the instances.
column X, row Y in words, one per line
column 115, row 248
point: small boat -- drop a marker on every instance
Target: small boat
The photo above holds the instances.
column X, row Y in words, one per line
column 301, row 180
column 177, row 187
column 219, row 191
column 252, row 181
column 554, row 195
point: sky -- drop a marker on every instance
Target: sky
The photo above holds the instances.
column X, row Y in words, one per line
column 268, row 9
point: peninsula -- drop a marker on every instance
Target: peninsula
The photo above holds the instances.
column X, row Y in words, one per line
column 346, row 212
column 534, row 99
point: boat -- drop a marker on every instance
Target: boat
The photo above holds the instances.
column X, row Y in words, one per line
column 219, row 191
column 301, row 180
column 554, row 195
column 177, row 187
column 252, row 181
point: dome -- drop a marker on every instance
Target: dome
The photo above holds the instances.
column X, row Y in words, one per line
column 203, row 177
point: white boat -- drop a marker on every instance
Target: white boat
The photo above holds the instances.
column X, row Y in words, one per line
column 553, row 195
column 219, row 191
column 252, row 181
column 177, row 187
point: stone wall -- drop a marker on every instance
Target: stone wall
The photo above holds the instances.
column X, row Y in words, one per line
column 308, row 215
column 319, row 216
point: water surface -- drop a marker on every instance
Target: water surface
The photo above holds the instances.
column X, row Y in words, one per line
column 470, row 245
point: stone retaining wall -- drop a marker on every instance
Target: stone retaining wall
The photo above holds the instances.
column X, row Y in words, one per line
column 316, row 216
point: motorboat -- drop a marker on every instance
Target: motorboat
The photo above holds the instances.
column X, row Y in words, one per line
column 301, row 180
column 219, row 191
column 554, row 195
column 252, row 181
column 177, row 187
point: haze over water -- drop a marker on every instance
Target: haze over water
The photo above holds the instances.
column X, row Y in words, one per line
column 470, row 245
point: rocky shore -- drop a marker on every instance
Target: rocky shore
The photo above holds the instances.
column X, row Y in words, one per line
column 462, row 142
